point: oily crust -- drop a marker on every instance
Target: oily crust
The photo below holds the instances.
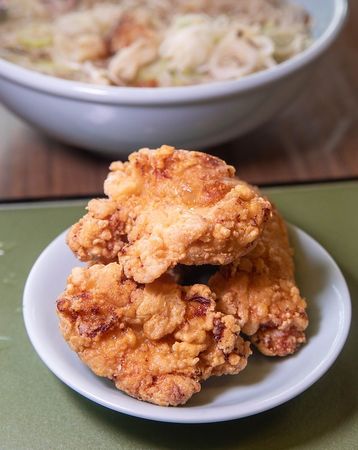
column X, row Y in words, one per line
column 260, row 291
column 166, row 207
column 156, row 342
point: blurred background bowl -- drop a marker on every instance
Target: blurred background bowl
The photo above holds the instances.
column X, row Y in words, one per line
column 118, row 120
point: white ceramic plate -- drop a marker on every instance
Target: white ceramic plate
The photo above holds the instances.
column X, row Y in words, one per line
column 264, row 384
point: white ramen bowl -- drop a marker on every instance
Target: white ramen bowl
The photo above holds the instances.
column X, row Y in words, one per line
column 118, row 120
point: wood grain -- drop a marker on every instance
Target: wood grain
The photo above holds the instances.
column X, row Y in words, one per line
column 315, row 138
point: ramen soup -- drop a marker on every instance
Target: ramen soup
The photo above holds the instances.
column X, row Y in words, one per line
column 151, row 43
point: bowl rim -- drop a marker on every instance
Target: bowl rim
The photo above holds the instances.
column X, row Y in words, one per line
column 176, row 94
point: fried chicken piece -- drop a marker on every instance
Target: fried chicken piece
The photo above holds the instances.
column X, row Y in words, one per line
column 156, row 342
column 260, row 291
column 166, row 207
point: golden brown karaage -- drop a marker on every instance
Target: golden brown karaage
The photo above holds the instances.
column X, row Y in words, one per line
column 260, row 291
column 166, row 207
column 156, row 342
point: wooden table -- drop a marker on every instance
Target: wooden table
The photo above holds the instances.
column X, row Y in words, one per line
column 315, row 138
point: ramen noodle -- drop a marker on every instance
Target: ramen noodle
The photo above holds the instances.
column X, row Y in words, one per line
column 151, row 43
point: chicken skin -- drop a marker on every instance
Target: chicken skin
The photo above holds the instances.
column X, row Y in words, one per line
column 156, row 342
column 260, row 291
column 166, row 207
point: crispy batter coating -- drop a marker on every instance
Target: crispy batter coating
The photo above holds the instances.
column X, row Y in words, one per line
column 102, row 233
column 166, row 207
column 260, row 291
column 156, row 342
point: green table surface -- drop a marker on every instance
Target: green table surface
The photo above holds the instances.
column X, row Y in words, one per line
column 37, row 411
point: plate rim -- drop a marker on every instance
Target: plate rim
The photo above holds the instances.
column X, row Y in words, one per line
column 222, row 413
